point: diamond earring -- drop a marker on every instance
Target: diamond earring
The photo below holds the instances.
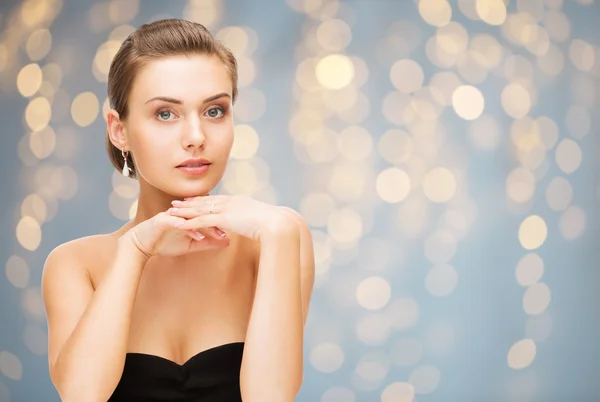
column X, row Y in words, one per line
column 126, row 169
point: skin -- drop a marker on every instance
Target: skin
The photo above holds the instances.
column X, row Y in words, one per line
column 103, row 297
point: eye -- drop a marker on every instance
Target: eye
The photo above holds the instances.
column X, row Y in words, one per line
column 214, row 112
column 164, row 115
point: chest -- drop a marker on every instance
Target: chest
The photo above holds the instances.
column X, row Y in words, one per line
column 195, row 289
column 188, row 304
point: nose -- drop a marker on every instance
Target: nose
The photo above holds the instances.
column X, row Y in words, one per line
column 193, row 136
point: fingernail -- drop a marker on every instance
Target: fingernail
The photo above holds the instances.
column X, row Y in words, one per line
column 199, row 235
column 176, row 202
column 171, row 210
column 220, row 232
column 187, row 198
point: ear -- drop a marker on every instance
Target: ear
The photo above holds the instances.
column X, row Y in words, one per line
column 116, row 130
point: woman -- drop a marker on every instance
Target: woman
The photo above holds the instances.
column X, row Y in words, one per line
column 200, row 297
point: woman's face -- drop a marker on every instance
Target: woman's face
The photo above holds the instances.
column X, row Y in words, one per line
column 180, row 125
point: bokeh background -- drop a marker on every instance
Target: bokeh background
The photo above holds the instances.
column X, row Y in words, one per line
column 445, row 154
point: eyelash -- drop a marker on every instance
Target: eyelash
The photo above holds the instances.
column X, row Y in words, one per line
column 222, row 109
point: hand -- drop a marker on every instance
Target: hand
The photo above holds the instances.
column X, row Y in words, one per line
column 163, row 236
column 239, row 214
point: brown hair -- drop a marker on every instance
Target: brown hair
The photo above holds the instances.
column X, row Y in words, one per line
column 170, row 37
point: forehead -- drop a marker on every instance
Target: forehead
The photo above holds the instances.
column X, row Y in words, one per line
column 188, row 78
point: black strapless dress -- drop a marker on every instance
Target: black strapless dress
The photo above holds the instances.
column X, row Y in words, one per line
column 212, row 375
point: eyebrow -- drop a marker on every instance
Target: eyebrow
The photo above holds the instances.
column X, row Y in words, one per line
column 180, row 102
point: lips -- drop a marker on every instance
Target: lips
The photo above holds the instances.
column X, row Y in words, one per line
column 194, row 163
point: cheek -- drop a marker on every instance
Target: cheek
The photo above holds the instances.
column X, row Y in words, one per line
column 149, row 144
column 225, row 139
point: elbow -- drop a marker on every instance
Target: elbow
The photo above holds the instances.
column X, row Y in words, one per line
column 69, row 392
column 76, row 394
column 294, row 387
column 268, row 397
column 74, row 391
column 77, row 384
column 278, row 393
column 59, row 384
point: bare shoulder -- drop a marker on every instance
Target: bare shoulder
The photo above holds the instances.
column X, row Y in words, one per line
column 303, row 228
column 76, row 258
column 296, row 216
column 79, row 249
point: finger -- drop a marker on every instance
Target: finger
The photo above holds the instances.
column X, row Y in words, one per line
column 208, row 244
column 210, row 232
column 184, row 212
column 190, row 213
column 202, row 198
column 194, row 211
column 205, row 221
column 216, row 232
column 200, row 234
column 207, row 235
column 203, row 201
column 165, row 220
column 212, row 198
column 196, row 234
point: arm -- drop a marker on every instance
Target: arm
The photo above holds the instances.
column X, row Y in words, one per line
column 272, row 366
column 88, row 330
column 307, row 260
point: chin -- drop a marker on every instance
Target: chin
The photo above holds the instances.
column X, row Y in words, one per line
column 180, row 188
column 192, row 189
